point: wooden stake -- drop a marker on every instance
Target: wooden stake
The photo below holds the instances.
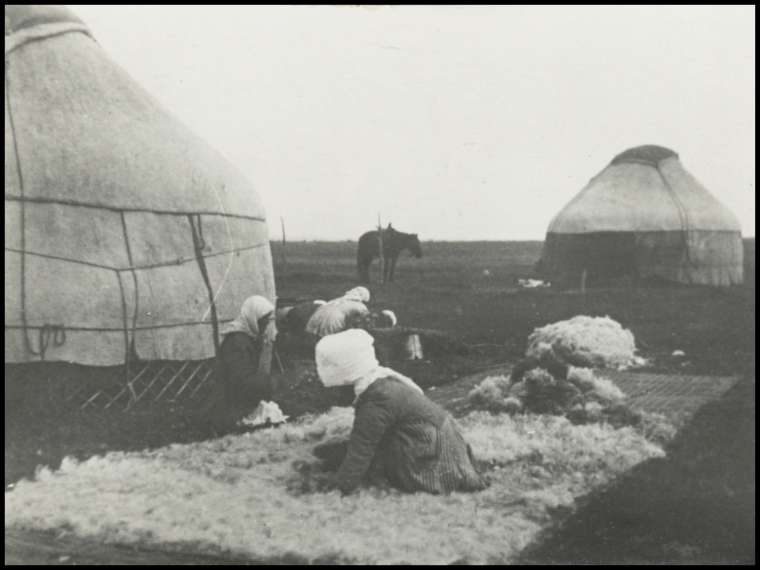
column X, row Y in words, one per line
column 265, row 359
column 381, row 252
column 284, row 241
column 279, row 362
column 583, row 281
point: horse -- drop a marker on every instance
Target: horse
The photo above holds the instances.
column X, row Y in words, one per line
column 394, row 242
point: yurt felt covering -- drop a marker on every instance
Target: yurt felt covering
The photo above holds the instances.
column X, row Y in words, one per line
column 125, row 234
column 645, row 215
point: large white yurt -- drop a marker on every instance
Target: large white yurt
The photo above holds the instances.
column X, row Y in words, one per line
column 126, row 236
column 645, row 215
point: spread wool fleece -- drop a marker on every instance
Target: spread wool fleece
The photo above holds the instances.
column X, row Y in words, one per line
column 242, row 495
column 583, row 397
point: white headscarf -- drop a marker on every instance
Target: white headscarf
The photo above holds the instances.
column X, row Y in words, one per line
column 348, row 357
column 331, row 317
column 391, row 316
column 253, row 310
column 360, row 294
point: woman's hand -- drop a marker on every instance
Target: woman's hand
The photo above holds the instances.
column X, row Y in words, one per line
column 270, row 332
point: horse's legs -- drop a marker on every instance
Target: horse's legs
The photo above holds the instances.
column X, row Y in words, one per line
column 394, row 259
column 364, row 265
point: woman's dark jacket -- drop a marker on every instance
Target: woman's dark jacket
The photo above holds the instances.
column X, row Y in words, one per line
column 415, row 442
column 239, row 387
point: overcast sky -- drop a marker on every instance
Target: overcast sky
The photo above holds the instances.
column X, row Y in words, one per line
column 458, row 123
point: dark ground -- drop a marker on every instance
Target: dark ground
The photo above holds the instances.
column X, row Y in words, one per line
column 697, row 505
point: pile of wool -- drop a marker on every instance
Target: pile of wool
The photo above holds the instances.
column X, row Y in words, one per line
column 583, row 397
column 242, row 495
column 585, row 341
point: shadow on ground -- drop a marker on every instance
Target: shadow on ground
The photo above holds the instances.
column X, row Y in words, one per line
column 695, row 506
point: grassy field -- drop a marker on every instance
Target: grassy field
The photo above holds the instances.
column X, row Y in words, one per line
column 467, row 290
column 448, row 290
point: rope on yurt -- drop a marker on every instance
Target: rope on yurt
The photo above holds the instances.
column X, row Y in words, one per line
column 198, row 244
column 230, row 241
column 199, row 228
column 125, row 320
column 120, row 329
column 130, row 347
column 60, row 258
column 46, row 332
column 22, row 210
column 172, row 262
column 119, row 209
column 683, row 216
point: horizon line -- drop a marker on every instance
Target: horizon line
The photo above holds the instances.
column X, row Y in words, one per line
column 337, row 240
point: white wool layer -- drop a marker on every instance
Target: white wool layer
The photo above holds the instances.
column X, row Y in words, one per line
column 231, row 495
column 586, row 341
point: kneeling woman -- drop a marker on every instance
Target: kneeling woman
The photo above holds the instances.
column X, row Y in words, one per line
column 241, row 383
column 339, row 314
column 397, row 430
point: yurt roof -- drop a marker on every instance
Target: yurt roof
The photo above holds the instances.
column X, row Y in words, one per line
column 646, row 154
column 644, row 189
column 147, row 160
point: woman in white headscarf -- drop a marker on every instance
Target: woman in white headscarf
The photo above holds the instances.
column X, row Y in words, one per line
column 339, row 314
column 397, row 430
column 360, row 294
column 242, row 384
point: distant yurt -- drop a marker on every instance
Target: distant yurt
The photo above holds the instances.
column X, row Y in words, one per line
column 644, row 216
column 127, row 238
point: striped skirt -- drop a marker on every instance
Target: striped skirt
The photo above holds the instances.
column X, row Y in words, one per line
column 432, row 459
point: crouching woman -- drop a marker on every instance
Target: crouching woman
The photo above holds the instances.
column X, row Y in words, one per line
column 397, row 430
column 243, row 378
column 339, row 314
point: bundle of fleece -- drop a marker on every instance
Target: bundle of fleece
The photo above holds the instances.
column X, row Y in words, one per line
column 249, row 495
column 265, row 413
column 582, row 396
column 598, row 342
